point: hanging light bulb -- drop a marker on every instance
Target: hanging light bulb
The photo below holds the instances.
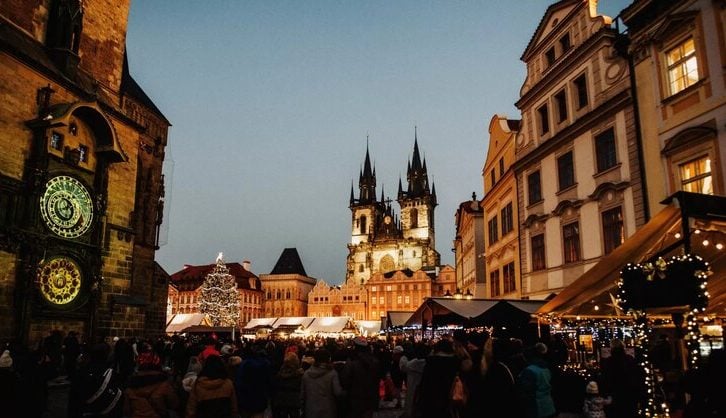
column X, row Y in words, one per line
column 705, row 243
column 678, row 235
column 698, row 231
column 719, row 246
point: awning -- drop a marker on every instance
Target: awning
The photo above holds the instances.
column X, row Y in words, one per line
column 594, row 293
column 257, row 323
column 181, row 321
column 303, row 321
column 396, row 319
column 442, row 311
column 328, row 324
column 368, row 328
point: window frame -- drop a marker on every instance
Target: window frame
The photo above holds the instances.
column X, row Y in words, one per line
column 602, row 163
column 562, row 170
column 543, row 119
column 697, row 178
column 508, row 278
column 609, row 244
column 681, row 63
column 493, row 228
column 581, row 91
column 560, row 99
column 494, row 284
column 571, row 248
column 530, row 200
column 539, row 259
column 507, row 216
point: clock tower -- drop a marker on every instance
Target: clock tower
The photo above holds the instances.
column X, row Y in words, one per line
column 380, row 240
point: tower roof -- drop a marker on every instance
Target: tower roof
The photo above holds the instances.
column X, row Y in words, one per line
column 289, row 263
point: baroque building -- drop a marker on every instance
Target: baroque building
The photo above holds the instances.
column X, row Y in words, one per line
column 678, row 52
column 501, row 209
column 349, row 299
column 577, row 162
column 469, row 247
column 81, row 184
column 287, row 286
column 380, row 240
column 185, row 284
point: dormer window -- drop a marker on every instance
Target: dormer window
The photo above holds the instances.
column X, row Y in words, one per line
column 565, row 43
column 550, row 56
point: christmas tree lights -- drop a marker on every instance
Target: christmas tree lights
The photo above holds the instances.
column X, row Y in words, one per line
column 218, row 297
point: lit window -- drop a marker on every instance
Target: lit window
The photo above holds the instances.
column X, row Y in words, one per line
column 381, row 300
column 682, row 66
column 388, row 288
column 408, row 300
column 399, row 299
column 571, row 242
column 56, row 141
column 612, row 229
column 696, row 176
column 374, row 288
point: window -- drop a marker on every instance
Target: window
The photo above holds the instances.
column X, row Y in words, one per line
column 361, row 268
column 565, row 171
column 407, row 300
column 399, row 299
column 561, row 102
column 682, row 66
column 56, row 141
column 381, row 300
column 571, row 242
column 374, row 288
column 494, row 283
column 581, row 91
column 550, row 56
column 493, row 177
column 507, row 219
column 605, row 150
column 544, row 119
column 612, row 229
column 508, row 278
column 414, row 218
column 493, row 230
column 565, row 42
column 501, row 167
column 696, row 176
column 363, row 225
column 534, row 187
column 538, row 252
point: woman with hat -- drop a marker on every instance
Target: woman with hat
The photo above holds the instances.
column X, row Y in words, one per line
column 149, row 393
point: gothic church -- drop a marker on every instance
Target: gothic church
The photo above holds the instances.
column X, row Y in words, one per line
column 381, row 241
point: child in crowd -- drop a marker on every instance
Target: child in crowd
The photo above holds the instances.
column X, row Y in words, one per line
column 594, row 403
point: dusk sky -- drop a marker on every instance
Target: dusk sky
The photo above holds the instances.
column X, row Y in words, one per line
column 271, row 102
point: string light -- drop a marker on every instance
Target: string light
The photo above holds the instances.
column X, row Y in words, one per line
column 218, row 296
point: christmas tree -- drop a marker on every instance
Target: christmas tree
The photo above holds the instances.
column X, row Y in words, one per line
column 218, row 298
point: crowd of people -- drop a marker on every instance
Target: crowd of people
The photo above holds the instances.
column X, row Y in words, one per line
column 464, row 375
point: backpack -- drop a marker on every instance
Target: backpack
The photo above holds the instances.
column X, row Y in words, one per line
column 105, row 396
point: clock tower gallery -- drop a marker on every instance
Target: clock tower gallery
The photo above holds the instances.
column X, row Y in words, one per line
column 380, row 240
column 81, row 189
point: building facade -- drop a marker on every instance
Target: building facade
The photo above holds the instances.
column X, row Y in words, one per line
column 501, row 229
column 380, row 241
column 287, row 286
column 469, row 247
column 678, row 51
column 576, row 151
column 184, row 290
column 81, row 185
column 349, row 299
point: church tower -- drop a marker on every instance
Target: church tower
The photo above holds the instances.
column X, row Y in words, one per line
column 380, row 241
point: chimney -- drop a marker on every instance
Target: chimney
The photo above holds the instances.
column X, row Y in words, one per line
column 246, row 264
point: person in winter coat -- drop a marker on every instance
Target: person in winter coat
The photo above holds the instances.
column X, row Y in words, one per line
column 534, row 388
column 622, row 378
column 286, row 388
column 320, row 388
column 360, row 380
column 95, row 390
column 433, row 395
column 253, row 383
column 413, row 369
column 594, row 405
column 213, row 394
column 149, row 393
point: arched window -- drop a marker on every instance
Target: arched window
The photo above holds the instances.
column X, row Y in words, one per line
column 414, row 217
column 279, row 295
column 363, row 225
column 287, row 296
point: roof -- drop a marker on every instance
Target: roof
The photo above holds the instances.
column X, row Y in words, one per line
column 303, row 321
column 541, row 26
column 482, row 311
column 397, row 318
column 256, row 322
column 132, row 88
column 198, row 273
column 289, row 263
column 330, row 324
column 657, row 238
column 180, row 322
column 368, row 328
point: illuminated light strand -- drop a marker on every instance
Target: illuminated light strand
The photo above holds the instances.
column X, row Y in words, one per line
column 219, row 298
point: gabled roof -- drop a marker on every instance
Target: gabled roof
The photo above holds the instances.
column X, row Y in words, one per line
column 544, row 22
column 289, row 263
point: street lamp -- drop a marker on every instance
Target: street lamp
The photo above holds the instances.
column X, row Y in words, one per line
column 469, row 295
column 458, row 294
column 448, row 294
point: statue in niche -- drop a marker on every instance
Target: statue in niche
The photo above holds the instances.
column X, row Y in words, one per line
column 65, row 24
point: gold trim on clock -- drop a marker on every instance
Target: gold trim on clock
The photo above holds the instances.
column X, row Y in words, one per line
column 59, row 280
column 66, row 207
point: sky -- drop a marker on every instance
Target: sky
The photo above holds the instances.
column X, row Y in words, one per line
column 271, row 103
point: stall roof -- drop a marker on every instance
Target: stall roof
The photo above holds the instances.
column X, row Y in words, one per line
column 369, row 327
column 260, row 322
column 397, row 318
column 328, row 324
column 181, row 321
column 303, row 321
column 598, row 286
column 468, row 309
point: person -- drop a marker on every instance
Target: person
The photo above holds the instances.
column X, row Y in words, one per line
column 413, row 370
column 498, row 387
column 123, row 359
column 533, row 386
column 71, row 351
column 594, row 406
column 320, row 388
column 286, row 388
column 8, row 385
column 149, row 393
column 433, row 397
column 397, row 375
column 213, row 394
column 360, row 379
column 95, row 390
column 622, row 379
column 253, row 383
column 210, row 349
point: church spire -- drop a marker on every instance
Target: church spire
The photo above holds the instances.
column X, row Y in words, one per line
column 367, row 180
column 417, row 175
column 352, row 196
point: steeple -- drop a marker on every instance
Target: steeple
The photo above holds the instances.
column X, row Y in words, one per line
column 400, row 187
column 352, row 196
column 417, row 175
column 367, row 180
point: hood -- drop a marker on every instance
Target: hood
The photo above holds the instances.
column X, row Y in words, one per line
column 288, row 372
column 209, row 384
column 317, row 371
column 146, row 381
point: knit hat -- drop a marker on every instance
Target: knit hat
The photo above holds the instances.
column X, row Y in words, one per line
column 592, row 388
column 6, row 361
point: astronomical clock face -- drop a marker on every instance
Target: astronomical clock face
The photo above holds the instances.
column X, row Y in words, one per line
column 59, row 280
column 66, row 207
